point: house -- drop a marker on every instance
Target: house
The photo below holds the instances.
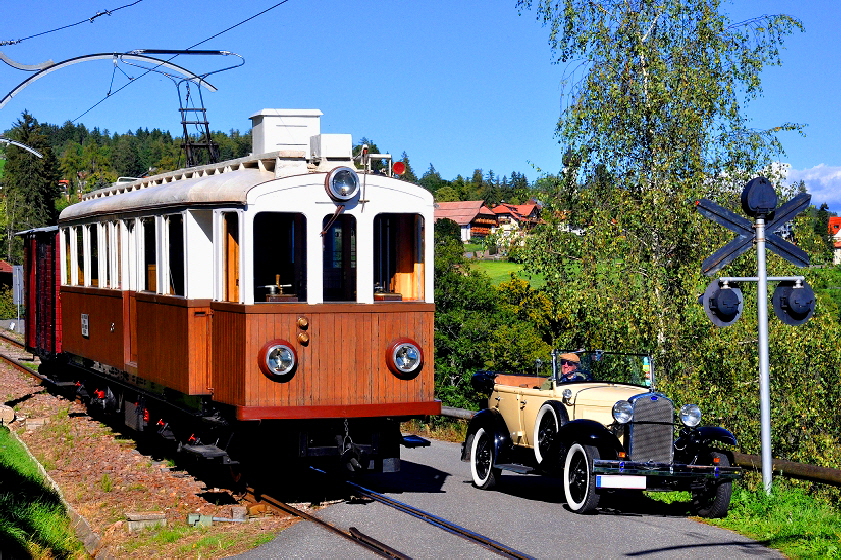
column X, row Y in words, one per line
column 514, row 218
column 5, row 275
column 473, row 217
column 835, row 233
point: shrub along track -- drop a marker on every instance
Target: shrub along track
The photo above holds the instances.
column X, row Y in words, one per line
column 103, row 476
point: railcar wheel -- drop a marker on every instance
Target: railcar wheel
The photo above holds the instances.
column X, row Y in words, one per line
column 485, row 476
column 714, row 499
column 579, row 480
column 546, row 428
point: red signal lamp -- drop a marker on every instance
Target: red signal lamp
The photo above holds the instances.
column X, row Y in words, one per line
column 399, row 168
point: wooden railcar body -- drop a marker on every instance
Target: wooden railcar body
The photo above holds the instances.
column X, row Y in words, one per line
column 172, row 288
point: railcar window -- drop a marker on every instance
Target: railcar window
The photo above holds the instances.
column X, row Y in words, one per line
column 80, row 256
column 149, row 268
column 117, row 256
column 175, row 227
column 93, row 237
column 280, row 268
column 340, row 258
column 68, row 262
column 105, row 244
column 231, row 235
column 398, row 257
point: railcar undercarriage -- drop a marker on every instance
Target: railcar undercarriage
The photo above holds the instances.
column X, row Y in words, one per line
column 208, row 431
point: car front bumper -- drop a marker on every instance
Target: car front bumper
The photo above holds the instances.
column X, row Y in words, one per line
column 633, row 475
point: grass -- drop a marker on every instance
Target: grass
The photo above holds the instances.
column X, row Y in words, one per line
column 33, row 521
column 192, row 542
column 789, row 520
column 438, row 427
column 500, row 271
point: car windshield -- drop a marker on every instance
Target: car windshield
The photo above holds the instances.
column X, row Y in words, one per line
column 609, row 367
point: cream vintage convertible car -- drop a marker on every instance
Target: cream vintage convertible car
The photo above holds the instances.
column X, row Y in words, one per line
column 595, row 419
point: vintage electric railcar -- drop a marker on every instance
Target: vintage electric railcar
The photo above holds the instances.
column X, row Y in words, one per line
column 279, row 304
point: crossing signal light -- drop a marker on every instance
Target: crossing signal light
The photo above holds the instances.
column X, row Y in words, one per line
column 722, row 303
column 794, row 304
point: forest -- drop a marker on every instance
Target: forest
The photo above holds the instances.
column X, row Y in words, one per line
column 654, row 123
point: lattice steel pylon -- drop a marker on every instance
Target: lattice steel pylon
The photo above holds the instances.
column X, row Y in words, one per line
column 199, row 149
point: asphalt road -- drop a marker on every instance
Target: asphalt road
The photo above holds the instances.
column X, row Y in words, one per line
column 525, row 512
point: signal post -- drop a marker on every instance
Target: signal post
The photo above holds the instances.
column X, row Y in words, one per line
column 793, row 300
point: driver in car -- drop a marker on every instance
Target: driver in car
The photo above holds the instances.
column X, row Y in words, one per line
column 569, row 367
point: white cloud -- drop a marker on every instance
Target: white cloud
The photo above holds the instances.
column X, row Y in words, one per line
column 823, row 182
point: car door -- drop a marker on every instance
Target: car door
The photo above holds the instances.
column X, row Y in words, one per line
column 530, row 402
column 506, row 400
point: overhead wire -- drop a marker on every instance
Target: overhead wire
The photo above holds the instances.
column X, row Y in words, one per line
column 89, row 20
column 131, row 81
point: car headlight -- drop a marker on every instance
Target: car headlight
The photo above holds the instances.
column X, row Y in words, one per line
column 690, row 415
column 623, row 412
column 404, row 358
column 342, row 184
column 277, row 360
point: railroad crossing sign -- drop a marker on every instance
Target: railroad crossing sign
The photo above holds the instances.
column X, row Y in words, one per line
column 793, row 299
column 747, row 233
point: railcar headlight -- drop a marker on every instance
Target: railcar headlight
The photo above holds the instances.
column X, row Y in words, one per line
column 623, row 412
column 690, row 415
column 277, row 360
column 342, row 184
column 404, row 358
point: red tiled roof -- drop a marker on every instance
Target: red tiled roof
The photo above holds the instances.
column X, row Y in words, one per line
column 834, row 225
column 5, row 267
column 526, row 209
column 462, row 212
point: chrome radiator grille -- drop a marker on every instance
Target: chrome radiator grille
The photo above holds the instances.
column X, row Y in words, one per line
column 652, row 431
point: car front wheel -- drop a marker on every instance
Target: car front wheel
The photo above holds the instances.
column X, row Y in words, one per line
column 579, row 480
column 485, row 476
column 714, row 499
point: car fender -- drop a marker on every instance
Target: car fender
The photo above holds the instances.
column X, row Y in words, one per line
column 588, row 432
column 493, row 422
column 716, row 433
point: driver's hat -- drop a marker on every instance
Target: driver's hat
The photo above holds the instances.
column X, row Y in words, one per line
column 570, row 357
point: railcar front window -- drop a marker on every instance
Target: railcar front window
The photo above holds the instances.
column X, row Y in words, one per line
column 280, row 271
column 175, row 230
column 398, row 257
column 149, row 266
column 230, row 226
column 339, row 258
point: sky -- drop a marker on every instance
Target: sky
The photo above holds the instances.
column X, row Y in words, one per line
column 458, row 85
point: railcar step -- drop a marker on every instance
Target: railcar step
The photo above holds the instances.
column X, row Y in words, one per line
column 64, row 383
column 522, row 469
column 412, row 441
column 208, row 452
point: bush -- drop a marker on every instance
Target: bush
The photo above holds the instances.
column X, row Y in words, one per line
column 8, row 310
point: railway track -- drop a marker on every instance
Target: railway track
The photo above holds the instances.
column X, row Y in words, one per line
column 378, row 547
column 15, row 361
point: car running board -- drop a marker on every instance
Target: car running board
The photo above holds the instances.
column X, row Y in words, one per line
column 412, row 441
column 522, row 469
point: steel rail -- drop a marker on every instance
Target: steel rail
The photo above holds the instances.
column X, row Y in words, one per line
column 441, row 523
column 11, row 341
column 352, row 534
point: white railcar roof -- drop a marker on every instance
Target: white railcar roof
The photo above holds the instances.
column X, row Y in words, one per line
column 221, row 183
